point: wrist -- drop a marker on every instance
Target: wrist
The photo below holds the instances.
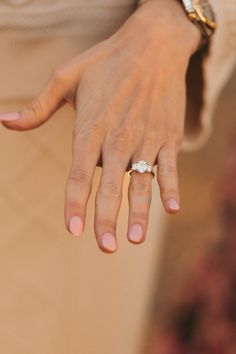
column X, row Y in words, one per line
column 167, row 18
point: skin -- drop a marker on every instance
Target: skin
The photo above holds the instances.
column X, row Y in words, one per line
column 129, row 95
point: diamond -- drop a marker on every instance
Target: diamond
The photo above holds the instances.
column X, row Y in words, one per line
column 141, row 166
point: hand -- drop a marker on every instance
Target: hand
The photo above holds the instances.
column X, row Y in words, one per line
column 129, row 96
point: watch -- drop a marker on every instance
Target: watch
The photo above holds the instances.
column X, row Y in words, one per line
column 201, row 13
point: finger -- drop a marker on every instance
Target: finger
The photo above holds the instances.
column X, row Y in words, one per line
column 109, row 197
column 167, row 177
column 139, row 195
column 39, row 110
column 50, row 99
column 86, row 151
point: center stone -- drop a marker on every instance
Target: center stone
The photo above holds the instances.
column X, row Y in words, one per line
column 142, row 166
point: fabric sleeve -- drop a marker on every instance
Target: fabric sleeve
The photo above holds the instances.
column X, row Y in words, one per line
column 208, row 72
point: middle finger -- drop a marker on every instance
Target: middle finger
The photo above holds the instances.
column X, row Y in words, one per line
column 109, row 195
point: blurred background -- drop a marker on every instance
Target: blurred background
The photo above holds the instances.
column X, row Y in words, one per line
column 194, row 311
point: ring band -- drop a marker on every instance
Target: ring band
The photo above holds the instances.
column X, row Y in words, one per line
column 141, row 167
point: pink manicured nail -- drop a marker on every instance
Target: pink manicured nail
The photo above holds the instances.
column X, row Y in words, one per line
column 10, row 116
column 76, row 225
column 173, row 204
column 136, row 233
column 109, row 242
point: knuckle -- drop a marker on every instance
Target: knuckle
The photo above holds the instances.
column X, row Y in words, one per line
column 138, row 185
column 73, row 204
column 36, row 108
column 175, row 134
column 172, row 130
column 140, row 216
column 106, row 224
column 58, row 77
column 111, row 189
column 87, row 131
column 169, row 193
column 167, row 169
column 120, row 141
column 80, row 176
column 178, row 142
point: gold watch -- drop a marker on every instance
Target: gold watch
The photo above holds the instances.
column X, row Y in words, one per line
column 201, row 13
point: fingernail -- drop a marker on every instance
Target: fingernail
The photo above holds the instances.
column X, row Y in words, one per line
column 109, row 242
column 173, row 204
column 136, row 233
column 76, row 225
column 10, row 116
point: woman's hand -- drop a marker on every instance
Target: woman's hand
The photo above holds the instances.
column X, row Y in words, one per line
column 129, row 96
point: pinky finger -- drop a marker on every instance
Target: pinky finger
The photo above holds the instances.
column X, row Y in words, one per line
column 167, row 177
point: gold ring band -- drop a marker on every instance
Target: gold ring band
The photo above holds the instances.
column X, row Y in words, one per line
column 141, row 167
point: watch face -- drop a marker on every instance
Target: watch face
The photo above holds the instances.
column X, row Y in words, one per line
column 205, row 12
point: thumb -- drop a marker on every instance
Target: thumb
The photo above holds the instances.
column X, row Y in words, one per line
column 49, row 100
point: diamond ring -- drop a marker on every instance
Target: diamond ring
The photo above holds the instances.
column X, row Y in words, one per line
column 141, row 167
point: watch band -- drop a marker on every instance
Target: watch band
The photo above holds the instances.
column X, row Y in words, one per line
column 201, row 14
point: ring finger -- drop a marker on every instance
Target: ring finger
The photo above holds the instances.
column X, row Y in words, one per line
column 139, row 195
